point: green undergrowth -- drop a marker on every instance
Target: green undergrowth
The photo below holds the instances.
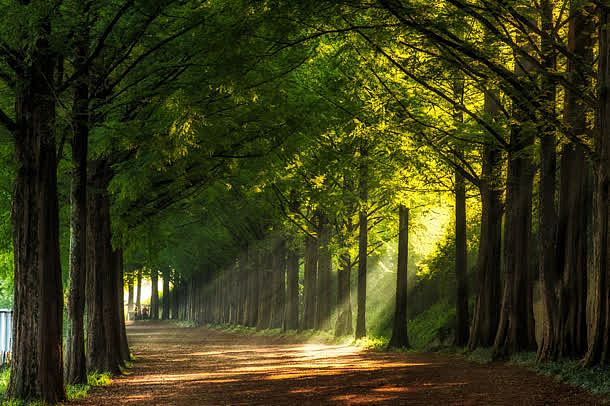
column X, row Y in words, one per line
column 73, row 392
column 595, row 380
column 185, row 323
column 305, row 336
column 432, row 329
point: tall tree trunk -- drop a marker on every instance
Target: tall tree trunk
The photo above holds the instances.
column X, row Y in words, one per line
column 175, row 298
column 76, row 366
column 461, row 270
column 599, row 335
column 243, row 287
column 279, row 283
column 311, row 276
column 344, row 325
column 461, row 250
column 265, row 294
column 118, row 257
column 516, row 326
column 154, row 295
column 291, row 320
column 564, row 277
column 165, row 313
column 37, row 363
column 487, row 306
column 324, row 275
column 362, row 243
column 130, row 296
column 139, row 295
column 400, row 336
column 103, row 332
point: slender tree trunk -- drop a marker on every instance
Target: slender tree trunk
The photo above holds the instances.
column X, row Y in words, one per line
column 243, row 287
column 311, row 271
column 279, row 283
column 324, row 275
column 461, row 250
column 487, row 306
column 76, row 366
column 139, row 295
column 37, row 362
column 400, row 336
column 362, row 244
column 175, row 298
column 125, row 353
column 291, row 321
column 599, row 334
column 344, row 325
column 461, row 270
column 265, row 293
column 154, row 298
column 165, row 314
column 130, row 296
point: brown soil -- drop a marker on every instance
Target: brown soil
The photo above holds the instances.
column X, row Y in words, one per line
column 199, row 366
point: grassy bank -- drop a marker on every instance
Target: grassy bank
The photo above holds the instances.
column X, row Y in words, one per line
column 73, row 392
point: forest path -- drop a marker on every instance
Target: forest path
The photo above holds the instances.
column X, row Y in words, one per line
column 199, row 366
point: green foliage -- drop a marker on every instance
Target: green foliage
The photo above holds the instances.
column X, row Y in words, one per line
column 73, row 392
column 595, row 380
column 99, row 379
column 432, row 328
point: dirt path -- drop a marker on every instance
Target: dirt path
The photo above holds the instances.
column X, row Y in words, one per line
column 179, row 366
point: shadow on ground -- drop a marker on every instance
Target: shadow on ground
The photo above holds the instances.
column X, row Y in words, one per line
column 198, row 366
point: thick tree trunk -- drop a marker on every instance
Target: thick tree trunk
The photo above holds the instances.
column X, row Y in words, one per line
column 565, row 284
column 324, row 276
column 516, row 326
column 547, row 220
column 37, row 362
column 103, row 332
column 487, row 306
column 400, row 336
column 76, row 367
column 599, row 334
column 362, row 244
column 311, row 276
column 154, row 295
column 291, row 321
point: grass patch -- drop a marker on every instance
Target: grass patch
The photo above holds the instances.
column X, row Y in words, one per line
column 373, row 343
column 99, row 379
column 185, row 323
column 480, row 355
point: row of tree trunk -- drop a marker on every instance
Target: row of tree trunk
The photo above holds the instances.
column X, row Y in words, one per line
column 568, row 256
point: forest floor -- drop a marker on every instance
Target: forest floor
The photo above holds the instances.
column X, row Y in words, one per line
column 202, row 366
